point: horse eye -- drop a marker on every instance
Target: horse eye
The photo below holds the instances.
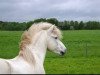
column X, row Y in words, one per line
column 55, row 37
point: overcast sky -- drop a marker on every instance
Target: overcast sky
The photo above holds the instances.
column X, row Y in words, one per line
column 27, row 10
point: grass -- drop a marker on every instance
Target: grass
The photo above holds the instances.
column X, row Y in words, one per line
column 83, row 56
column 72, row 65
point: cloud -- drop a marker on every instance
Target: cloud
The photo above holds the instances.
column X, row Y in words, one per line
column 26, row 10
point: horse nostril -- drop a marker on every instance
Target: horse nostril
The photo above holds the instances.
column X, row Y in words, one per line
column 62, row 53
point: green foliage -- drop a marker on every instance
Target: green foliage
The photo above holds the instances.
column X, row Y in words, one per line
column 81, row 25
column 64, row 25
column 53, row 21
column 12, row 26
column 40, row 20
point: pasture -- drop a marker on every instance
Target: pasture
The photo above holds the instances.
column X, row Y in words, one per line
column 83, row 56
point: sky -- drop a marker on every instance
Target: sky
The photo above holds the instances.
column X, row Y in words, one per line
column 28, row 10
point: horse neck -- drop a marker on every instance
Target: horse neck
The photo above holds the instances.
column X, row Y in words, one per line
column 40, row 46
column 35, row 52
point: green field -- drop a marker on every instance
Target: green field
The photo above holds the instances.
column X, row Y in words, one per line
column 82, row 57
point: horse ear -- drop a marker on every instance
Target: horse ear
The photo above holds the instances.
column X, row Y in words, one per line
column 50, row 30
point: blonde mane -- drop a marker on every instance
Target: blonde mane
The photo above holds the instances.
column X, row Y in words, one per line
column 28, row 35
column 35, row 28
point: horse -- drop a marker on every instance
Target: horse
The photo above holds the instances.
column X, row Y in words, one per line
column 35, row 41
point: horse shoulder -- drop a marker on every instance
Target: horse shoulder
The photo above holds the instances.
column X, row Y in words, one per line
column 19, row 66
column 4, row 67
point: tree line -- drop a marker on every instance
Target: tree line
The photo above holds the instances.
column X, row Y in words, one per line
column 64, row 25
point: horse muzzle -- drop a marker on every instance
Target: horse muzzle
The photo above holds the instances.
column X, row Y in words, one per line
column 62, row 53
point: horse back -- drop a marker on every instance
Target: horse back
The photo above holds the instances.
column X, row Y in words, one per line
column 4, row 67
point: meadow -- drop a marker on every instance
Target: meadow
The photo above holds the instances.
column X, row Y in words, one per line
column 82, row 56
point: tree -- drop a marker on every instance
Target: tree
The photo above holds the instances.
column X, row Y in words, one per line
column 76, row 25
column 53, row 21
column 72, row 25
column 40, row 20
column 28, row 24
column 64, row 25
column 81, row 25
